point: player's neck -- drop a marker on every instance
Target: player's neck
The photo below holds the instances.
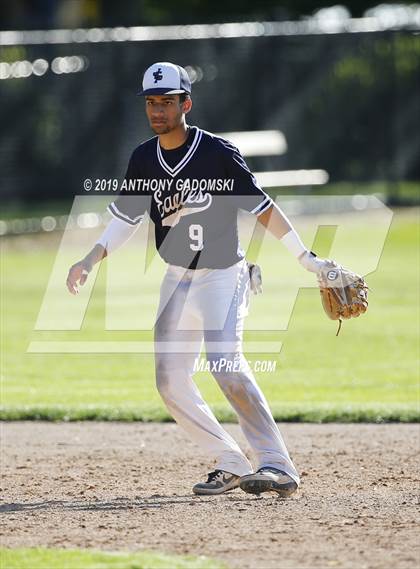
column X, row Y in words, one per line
column 175, row 138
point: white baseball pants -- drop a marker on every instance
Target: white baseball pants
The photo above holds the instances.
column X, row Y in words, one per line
column 211, row 305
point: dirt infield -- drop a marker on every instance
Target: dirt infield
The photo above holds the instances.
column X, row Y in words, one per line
column 119, row 486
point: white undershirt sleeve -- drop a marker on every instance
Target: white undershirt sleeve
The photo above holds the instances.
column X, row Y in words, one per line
column 116, row 233
column 306, row 258
column 293, row 243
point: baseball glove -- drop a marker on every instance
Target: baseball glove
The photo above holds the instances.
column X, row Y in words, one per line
column 343, row 293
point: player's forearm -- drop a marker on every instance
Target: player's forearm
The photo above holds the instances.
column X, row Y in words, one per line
column 95, row 255
column 116, row 233
column 278, row 224
column 275, row 221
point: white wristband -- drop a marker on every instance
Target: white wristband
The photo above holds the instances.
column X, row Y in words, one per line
column 293, row 243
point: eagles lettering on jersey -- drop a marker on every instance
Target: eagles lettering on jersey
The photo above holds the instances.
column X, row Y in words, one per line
column 192, row 194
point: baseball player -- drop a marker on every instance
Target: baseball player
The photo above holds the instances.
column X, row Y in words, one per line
column 192, row 184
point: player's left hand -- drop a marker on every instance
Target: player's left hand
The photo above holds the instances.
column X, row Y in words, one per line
column 344, row 293
column 255, row 278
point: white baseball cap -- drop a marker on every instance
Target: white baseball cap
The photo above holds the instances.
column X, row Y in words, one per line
column 164, row 78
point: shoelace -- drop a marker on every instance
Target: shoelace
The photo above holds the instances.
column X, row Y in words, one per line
column 213, row 475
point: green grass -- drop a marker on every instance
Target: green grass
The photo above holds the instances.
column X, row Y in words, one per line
column 38, row 558
column 288, row 413
column 370, row 372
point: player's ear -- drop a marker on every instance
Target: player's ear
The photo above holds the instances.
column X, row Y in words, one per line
column 186, row 105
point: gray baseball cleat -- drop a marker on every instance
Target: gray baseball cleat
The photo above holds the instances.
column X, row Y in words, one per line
column 218, row 481
column 268, row 479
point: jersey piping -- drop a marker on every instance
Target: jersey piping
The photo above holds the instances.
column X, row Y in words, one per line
column 113, row 210
column 178, row 167
column 265, row 204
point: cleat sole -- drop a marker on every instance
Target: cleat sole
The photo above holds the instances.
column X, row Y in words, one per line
column 260, row 486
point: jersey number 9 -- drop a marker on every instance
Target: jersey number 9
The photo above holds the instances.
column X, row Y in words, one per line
column 196, row 235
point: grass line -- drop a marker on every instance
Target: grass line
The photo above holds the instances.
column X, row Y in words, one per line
column 41, row 558
column 301, row 413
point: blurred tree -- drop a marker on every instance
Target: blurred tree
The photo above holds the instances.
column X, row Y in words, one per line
column 46, row 14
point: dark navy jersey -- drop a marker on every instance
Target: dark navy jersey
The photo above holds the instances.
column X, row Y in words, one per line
column 192, row 194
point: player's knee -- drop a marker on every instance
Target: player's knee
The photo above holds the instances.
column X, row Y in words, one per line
column 232, row 373
column 226, row 365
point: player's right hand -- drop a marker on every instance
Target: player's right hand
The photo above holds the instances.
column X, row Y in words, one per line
column 77, row 276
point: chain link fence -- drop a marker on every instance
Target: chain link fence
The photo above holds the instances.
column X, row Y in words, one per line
column 347, row 104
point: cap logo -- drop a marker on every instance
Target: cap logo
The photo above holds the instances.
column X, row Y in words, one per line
column 158, row 75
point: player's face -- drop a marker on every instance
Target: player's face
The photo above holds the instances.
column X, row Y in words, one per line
column 165, row 112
